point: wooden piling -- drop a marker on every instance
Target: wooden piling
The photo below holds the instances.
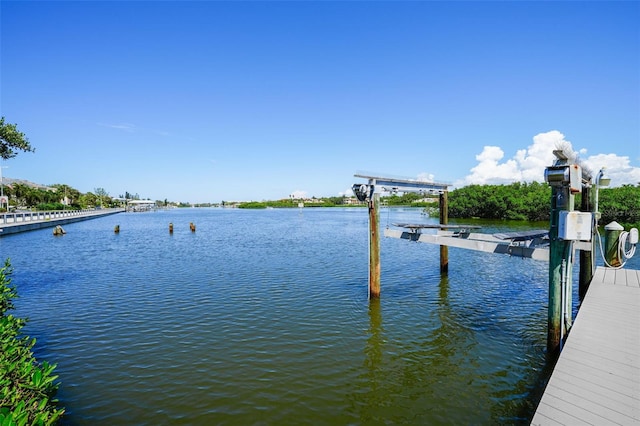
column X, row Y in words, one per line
column 444, row 220
column 374, row 246
column 556, row 253
column 192, row 227
column 171, row 228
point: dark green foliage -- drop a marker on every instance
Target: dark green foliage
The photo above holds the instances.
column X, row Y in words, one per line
column 12, row 140
column 409, row 199
column 286, row 203
column 621, row 204
column 26, row 386
column 52, row 206
column 517, row 201
column 532, row 202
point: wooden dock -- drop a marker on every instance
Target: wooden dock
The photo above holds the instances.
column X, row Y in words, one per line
column 596, row 380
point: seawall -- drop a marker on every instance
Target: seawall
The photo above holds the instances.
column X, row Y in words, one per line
column 12, row 223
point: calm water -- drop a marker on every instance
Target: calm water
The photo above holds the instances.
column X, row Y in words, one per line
column 262, row 317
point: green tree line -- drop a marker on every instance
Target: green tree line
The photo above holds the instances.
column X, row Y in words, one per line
column 290, row 203
column 406, row 199
column 532, row 202
column 55, row 197
column 517, row 201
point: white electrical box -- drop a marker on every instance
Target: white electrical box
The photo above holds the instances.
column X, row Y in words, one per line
column 575, row 226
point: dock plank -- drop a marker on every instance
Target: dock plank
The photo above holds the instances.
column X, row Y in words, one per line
column 583, row 372
column 609, row 276
column 632, row 278
column 615, row 397
column 588, row 408
column 597, row 377
column 550, row 415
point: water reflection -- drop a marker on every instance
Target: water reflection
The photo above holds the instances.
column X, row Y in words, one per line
column 420, row 378
column 374, row 370
column 272, row 323
column 447, row 369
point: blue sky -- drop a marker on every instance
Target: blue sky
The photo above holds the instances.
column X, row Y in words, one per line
column 206, row 101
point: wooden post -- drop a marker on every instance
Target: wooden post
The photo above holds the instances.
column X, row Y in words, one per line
column 171, row 227
column 556, row 253
column 374, row 246
column 586, row 257
column 192, row 226
column 444, row 220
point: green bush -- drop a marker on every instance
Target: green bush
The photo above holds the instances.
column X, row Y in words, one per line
column 27, row 387
column 51, row 206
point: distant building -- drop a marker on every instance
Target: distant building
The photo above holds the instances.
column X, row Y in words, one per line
column 351, row 201
column 140, row 205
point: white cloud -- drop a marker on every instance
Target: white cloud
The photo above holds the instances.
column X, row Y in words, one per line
column 298, row 194
column 347, row 192
column 489, row 169
column 533, row 160
column 616, row 167
column 528, row 164
column 426, row 177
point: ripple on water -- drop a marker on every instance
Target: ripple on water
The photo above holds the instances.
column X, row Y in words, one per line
column 263, row 317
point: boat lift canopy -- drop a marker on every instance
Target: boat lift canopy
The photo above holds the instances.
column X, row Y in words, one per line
column 390, row 184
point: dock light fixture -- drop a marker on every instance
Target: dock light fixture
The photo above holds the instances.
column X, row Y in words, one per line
column 602, row 181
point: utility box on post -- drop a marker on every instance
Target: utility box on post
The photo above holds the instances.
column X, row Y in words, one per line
column 575, row 226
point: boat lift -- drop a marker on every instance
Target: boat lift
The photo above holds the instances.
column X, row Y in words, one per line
column 531, row 244
column 570, row 230
column 370, row 193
